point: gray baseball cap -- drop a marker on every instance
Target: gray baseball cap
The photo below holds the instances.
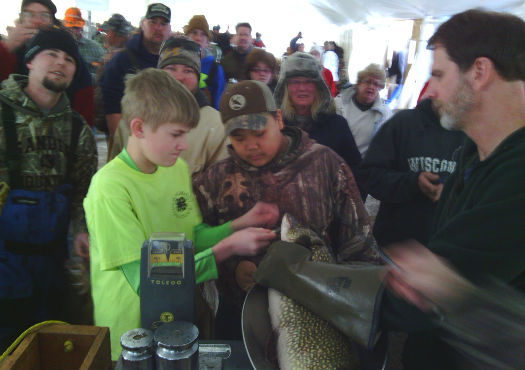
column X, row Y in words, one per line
column 245, row 105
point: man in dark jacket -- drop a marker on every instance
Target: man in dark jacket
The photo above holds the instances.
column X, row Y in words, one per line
column 141, row 51
column 233, row 62
column 477, row 87
column 405, row 167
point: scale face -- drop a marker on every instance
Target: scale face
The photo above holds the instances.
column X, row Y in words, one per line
column 167, row 280
column 166, row 256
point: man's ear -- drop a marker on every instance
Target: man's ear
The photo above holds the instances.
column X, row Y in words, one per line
column 136, row 127
column 482, row 72
column 279, row 118
column 29, row 66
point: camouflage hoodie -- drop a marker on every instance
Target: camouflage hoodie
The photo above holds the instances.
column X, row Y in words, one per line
column 43, row 139
column 308, row 180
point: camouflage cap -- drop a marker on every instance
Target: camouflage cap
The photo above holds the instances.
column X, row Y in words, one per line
column 180, row 50
column 243, row 105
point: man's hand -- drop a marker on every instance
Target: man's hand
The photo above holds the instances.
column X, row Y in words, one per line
column 18, row 35
column 81, row 245
column 247, row 242
column 261, row 215
column 244, row 275
column 429, row 186
column 423, row 278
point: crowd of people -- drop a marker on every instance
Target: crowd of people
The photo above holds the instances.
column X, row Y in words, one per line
column 211, row 135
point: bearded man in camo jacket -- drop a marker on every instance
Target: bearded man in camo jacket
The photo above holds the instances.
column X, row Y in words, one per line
column 54, row 147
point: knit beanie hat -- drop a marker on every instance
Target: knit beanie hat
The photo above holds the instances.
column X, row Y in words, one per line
column 198, row 22
column 304, row 65
column 244, row 106
column 54, row 38
column 73, row 18
column 180, row 50
column 118, row 24
column 47, row 3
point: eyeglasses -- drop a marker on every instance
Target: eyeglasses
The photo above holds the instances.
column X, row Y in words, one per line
column 262, row 70
column 43, row 16
column 373, row 83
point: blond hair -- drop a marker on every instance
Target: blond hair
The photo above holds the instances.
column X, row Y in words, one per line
column 373, row 70
column 288, row 109
column 155, row 97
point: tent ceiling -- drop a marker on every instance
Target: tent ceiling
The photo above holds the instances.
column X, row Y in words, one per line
column 344, row 12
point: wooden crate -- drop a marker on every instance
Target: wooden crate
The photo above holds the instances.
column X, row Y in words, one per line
column 45, row 349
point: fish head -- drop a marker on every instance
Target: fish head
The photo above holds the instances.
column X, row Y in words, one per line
column 294, row 232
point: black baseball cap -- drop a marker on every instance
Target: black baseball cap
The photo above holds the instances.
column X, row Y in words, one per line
column 158, row 10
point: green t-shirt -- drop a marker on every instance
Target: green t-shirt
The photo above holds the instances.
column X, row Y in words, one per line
column 123, row 207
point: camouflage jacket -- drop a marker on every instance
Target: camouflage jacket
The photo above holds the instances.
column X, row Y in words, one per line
column 43, row 139
column 309, row 181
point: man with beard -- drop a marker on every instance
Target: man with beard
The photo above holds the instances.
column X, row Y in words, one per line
column 36, row 15
column 477, row 87
column 233, row 62
column 48, row 158
column 141, row 51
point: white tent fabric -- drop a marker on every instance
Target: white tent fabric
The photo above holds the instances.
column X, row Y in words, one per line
column 376, row 15
column 344, row 12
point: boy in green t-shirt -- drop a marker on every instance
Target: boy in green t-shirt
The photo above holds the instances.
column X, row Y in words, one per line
column 147, row 189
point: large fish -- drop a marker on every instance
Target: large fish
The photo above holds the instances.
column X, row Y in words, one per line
column 304, row 340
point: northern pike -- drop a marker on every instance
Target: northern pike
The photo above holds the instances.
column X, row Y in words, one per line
column 304, row 340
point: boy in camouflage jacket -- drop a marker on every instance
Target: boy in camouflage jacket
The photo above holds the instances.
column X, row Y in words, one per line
column 283, row 166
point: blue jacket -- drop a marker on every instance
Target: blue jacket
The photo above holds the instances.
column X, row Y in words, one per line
column 112, row 80
column 215, row 81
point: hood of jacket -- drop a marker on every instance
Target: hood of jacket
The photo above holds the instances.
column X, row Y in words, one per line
column 12, row 93
column 135, row 45
column 202, row 101
column 304, row 65
column 425, row 108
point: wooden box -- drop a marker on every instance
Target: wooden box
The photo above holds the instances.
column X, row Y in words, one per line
column 61, row 347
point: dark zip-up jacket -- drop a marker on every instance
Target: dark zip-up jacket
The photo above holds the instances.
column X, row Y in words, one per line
column 479, row 230
column 332, row 130
column 112, row 80
column 411, row 142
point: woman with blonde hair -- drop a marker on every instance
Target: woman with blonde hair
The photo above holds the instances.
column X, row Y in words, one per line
column 306, row 102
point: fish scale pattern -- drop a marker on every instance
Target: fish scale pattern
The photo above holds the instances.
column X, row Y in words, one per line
column 304, row 340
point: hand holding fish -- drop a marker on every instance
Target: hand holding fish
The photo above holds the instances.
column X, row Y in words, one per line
column 262, row 214
column 247, row 242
